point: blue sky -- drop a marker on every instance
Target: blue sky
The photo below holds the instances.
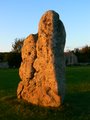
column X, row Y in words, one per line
column 19, row 18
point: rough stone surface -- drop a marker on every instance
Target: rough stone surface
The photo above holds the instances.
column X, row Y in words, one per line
column 42, row 69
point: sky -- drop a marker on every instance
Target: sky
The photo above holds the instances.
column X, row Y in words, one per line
column 19, row 18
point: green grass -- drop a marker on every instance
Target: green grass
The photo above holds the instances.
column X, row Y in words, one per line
column 76, row 105
column 9, row 79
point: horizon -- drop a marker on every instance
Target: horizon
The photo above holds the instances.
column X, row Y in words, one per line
column 21, row 18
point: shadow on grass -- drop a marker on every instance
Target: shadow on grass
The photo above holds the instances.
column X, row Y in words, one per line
column 76, row 106
column 79, row 104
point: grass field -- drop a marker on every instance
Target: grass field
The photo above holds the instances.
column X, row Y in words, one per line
column 76, row 105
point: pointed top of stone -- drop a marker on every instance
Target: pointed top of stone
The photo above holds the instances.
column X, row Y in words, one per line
column 50, row 15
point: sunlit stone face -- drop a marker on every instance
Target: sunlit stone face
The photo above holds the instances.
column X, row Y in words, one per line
column 42, row 69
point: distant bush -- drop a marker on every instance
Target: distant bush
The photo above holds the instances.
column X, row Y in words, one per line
column 14, row 60
column 4, row 57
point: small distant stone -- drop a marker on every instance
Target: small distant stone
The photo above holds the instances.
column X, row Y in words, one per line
column 42, row 69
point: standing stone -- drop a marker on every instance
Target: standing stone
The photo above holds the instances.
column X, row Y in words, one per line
column 42, row 69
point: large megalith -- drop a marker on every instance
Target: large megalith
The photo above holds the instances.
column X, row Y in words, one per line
column 42, row 69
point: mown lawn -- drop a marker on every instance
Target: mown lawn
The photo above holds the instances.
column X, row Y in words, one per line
column 76, row 105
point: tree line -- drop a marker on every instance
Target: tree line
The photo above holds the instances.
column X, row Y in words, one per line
column 14, row 57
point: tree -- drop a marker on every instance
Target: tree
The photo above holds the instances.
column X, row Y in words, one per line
column 83, row 54
column 86, row 53
column 85, row 49
column 18, row 43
